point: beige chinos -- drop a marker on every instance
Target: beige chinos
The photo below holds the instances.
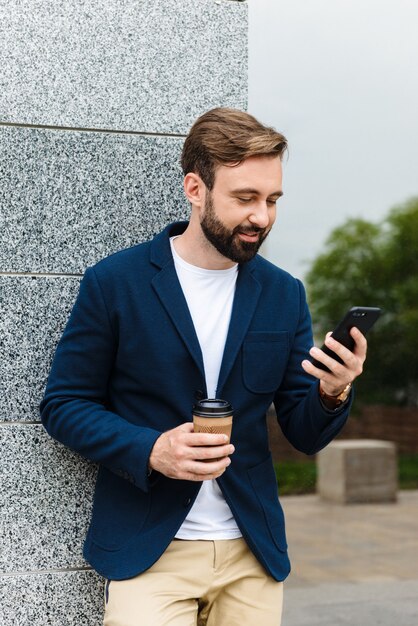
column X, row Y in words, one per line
column 197, row 583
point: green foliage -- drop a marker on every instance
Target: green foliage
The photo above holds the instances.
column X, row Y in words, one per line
column 299, row 477
column 408, row 471
column 367, row 264
column 295, row 477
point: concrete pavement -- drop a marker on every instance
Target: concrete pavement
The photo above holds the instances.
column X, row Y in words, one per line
column 352, row 564
column 381, row 603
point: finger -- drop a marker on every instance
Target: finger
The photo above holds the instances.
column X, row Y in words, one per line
column 310, row 368
column 334, row 366
column 208, row 469
column 192, row 469
column 191, row 438
column 204, row 453
column 346, row 355
column 200, row 477
column 353, row 362
column 187, row 427
column 331, row 384
column 328, row 379
column 360, row 342
column 205, row 439
column 200, row 439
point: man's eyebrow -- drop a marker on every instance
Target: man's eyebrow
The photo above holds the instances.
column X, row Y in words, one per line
column 255, row 192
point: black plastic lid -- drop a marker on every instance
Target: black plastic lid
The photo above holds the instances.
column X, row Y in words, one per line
column 212, row 407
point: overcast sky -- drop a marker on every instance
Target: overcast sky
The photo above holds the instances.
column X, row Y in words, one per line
column 339, row 78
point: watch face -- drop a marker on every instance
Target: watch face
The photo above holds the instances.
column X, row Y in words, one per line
column 344, row 394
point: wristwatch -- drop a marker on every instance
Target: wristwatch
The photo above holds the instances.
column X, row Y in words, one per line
column 338, row 400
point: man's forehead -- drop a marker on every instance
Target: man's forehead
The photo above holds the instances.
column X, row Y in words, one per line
column 253, row 174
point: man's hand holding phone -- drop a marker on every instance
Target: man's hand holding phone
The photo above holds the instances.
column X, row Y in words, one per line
column 340, row 360
column 340, row 375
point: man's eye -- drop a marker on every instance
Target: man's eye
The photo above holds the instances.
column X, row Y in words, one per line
column 244, row 200
column 272, row 202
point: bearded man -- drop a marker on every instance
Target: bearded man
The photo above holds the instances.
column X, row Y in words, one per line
column 187, row 528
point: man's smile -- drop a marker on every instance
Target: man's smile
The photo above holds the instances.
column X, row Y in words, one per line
column 250, row 234
column 250, row 237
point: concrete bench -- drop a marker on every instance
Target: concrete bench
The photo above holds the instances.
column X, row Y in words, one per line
column 358, row 470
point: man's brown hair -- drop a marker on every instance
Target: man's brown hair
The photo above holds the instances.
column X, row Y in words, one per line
column 224, row 136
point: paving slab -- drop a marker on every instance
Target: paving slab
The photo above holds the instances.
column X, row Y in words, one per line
column 384, row 603
column 357, row 542
column 352, row 564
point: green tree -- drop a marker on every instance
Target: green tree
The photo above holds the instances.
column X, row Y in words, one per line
column 370, row 264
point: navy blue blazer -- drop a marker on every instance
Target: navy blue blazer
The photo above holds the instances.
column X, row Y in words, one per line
column 128, row 367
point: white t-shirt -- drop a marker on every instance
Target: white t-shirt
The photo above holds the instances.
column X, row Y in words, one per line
column 209, row 295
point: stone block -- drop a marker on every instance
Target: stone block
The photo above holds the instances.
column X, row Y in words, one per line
column 68, row 199
column 45, row 501
column 143, row 65
column 73, row 598
column 33, row 313
column 358, row 470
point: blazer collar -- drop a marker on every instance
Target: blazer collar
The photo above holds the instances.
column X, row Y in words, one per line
column 167, row 286
column 168, row 289
column 160, row 253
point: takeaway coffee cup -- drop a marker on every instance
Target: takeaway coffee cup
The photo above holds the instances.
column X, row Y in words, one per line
column 213, row 416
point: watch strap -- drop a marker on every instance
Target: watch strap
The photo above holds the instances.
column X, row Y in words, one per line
column 339, row 399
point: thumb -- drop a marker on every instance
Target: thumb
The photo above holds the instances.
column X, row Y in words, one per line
column 187, row 427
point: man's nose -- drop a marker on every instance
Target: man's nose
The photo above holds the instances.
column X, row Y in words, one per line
column 260, row 216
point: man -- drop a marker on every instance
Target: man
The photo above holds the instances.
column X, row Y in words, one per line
column 187, row 528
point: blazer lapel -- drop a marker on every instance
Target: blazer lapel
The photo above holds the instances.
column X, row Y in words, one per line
column 247, row 294
column 168, row 289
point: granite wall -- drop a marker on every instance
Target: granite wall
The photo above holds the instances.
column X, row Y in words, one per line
column 95, row 100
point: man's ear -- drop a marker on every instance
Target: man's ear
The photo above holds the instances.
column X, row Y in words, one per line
column 194, row 188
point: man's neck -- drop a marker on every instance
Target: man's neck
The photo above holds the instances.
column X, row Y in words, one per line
column 193, row 247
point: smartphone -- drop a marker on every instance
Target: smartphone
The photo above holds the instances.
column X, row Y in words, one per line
column 362, row 317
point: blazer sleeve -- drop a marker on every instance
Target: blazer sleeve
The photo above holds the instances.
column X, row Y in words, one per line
column 74, row 409
column 305, row 421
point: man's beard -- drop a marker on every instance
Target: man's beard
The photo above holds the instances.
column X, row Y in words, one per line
column 226, row 241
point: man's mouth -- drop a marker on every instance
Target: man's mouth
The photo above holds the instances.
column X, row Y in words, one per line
column 250, row 237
